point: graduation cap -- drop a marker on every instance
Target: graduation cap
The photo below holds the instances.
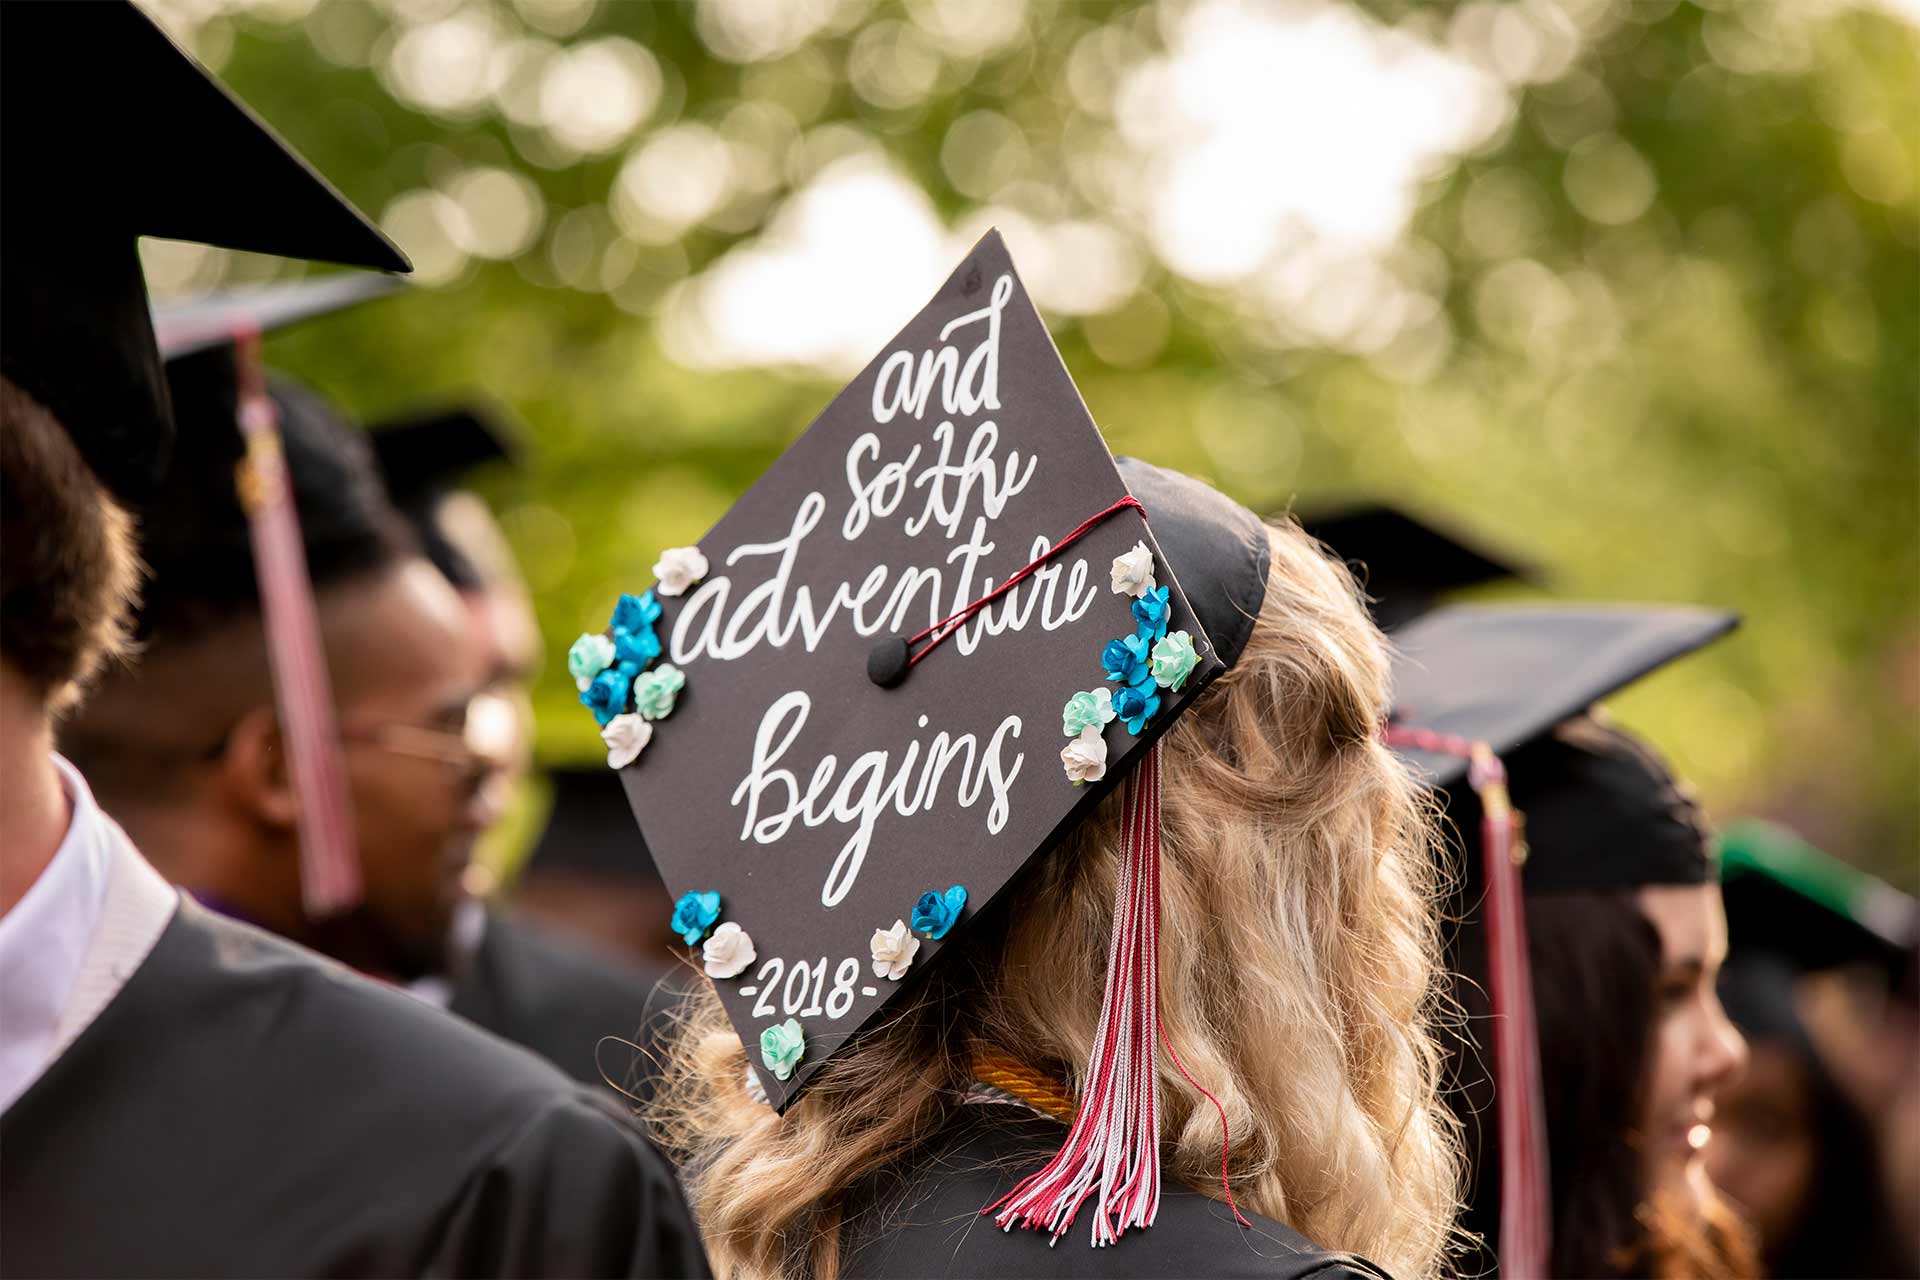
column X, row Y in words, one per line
column 589, row 829
column 1496, row 697
column 272, row 489
column 110, row 132
column 1406, row 562
column 845, row 743
column 1788, row 899
column 424, row 457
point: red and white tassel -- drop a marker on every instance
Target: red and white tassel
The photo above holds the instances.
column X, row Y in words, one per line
column 1112, row 1152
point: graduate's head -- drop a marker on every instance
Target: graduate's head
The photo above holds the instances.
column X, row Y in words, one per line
column 68, row 567
column 1295, row 976
column 189, row 751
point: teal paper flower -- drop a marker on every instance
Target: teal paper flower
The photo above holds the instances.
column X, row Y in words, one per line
column 654, row 691
column 1136, row 704
column 935, row 913
column 1090, row 710
column 694, row 914
column 781, row 1047
column 636, row 648
column 606, row 695
column 1150, row 613
column 591, row 654
column 1173, row 660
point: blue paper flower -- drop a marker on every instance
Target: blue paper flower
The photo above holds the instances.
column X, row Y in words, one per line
column 935, row 913
column 639, row 646
column 636, row 613
column 606, row 697
column 1135, row 705
column 1173, row 660
column 694, row 914
column 1126, row 660
column 1150, row 613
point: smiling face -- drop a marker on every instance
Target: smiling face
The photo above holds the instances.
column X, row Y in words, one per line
column 1695, row 1052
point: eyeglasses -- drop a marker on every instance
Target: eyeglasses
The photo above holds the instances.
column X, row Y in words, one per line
column 481, row 737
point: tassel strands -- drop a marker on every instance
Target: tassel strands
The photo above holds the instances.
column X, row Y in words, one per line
column 1112, row 1151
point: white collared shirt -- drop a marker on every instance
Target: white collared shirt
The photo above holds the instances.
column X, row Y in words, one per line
column 74, row 938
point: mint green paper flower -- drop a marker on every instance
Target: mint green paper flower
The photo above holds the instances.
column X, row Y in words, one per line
column 781, row 1046
column 1173, row 660
column 654, row 691
column 591, row 654
column 1090, row 710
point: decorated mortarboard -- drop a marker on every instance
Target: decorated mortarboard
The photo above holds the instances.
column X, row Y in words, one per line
column 1496, row 697
column 1407, row 562
column 425, row 456
column 1789, row 899
column 272, row 489
column 913, row 656
column 109, row 132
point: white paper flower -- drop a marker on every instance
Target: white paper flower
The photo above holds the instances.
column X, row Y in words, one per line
column 679, row 568
column 893, row 950
column 727, row 951
column 1133, row 572
column 625, row 736
column 1085, row 757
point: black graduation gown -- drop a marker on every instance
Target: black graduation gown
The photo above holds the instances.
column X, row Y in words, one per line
column 243, row 1108
column 554, row 996
column 925, row 1220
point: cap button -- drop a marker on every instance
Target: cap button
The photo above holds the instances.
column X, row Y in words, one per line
column 887, row 661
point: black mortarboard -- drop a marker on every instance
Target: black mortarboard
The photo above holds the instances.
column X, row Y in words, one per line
column 109, row 132
column 186, row 326
column 1404, row 562
column 1787, row 899
column 785, row 790
column 426, row 455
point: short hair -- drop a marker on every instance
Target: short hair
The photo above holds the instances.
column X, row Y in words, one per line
column 69, row 570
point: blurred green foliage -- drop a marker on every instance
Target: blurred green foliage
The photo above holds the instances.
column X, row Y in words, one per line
column 1677, row 353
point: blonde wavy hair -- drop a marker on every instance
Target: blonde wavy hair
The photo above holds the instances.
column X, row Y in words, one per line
column 1299, row 983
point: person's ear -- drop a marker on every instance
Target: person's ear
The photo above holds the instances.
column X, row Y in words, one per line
column 254, row 772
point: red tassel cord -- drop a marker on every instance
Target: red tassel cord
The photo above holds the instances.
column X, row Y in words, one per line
column 329, row 865
column 1112, row 1151
column 1525, row 1221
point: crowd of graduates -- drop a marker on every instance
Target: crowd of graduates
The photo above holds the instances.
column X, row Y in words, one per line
column 1383, row 951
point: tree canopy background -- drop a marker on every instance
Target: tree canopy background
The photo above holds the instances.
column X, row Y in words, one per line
column 1630, row 287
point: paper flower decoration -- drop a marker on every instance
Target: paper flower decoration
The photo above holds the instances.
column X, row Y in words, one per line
column 626, row 736
column 694, row 914
column 935, row 913
column 1173, row 660
column 1135, row 705
column 1133, row 572
column 727, row 952
column 679, row 568
column 635, row 613
column 893, row 950
column 591, row 654
column 1089, row 710
column 1150, row 613
column 606, row 695
column 1125, row 660
column 781, row 1047
column 635, row 649
column 1085, row 757
column 654, row 691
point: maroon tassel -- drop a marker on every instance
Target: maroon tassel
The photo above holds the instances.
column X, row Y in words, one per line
column 1526, row 1235
column 329, row 864
column 1112, row 1152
